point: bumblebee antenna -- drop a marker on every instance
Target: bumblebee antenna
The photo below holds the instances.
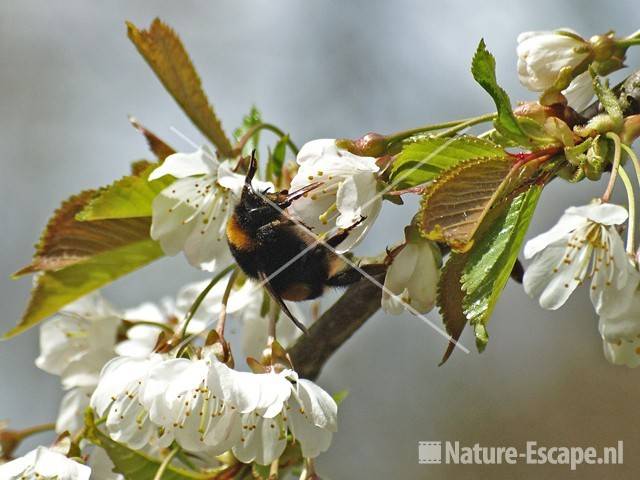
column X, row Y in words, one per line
column 253, row 166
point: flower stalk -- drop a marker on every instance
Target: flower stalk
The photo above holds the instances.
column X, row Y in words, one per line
column 223, row 303
column 165, row 463
column 451, row 127
column 631, row 228
column 194, row 308
column 614, row 169
column 263, row 126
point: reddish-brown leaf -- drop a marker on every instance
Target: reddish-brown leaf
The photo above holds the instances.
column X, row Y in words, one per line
column 66, row 241
column 162, row 49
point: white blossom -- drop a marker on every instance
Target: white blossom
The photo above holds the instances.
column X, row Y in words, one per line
column 621, row 334
column 122, row 381
column 273, row 403
column 584, row 244
column 78, row 341
column 543, row 54
column 412, row 278
column 185, row 398
column 191, row 214
column 347, row 191
column 44, row 464
column 208, row 407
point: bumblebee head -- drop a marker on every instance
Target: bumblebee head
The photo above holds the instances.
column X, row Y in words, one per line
column 264, row 206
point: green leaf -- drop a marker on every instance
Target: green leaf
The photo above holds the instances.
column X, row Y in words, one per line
column 492, row 258
column 135, row 465
column 423, row 159
column 250, row 120
column 129, row 197
column 608, row 100
column 167, row 57
column 483, row 68
column 74, row 258
column 55, row 289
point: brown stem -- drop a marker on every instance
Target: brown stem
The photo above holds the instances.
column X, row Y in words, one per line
column 335, row 326
column 27, row 432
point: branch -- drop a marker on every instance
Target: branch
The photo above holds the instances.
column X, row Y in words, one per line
column 362, row 299
column 335, row 326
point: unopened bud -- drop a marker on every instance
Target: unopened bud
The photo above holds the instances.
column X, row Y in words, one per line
column 539, row 113
column 630, row 129
column 370, row 145
column 608, row 55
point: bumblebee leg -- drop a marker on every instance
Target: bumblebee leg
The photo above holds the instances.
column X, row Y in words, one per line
column 348, row 274
column 339, row 237
column 276, row 296
column 344, row 277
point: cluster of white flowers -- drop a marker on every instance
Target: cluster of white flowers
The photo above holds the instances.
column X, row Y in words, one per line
column 85, row 339
column 204, row 405
column 585, row 244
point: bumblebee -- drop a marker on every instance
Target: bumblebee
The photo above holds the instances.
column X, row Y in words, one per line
column 272, row 248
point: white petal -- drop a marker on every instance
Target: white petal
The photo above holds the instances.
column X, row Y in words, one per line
column 181, row 165
column 566, row 224
column 315, row 149
column 319, row 407
column 603, row 213
column 566, row 280
column 623, row 352
column 43, row 463
column 553, row 279
column 171, row 214
column 580, row 92
column 423, row 286
column 263, row 440
column 227, row 178
column 206, row 245
column 397, row 278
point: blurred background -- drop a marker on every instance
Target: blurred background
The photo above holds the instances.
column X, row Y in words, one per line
column 68, row 79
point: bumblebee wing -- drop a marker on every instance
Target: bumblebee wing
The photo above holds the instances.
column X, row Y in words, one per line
column 267, row 284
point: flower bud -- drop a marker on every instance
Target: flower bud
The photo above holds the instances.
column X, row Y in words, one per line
column 630, row 129
column 607, row 54
column 370, row 145
column 539, row 113
column 544, row 57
